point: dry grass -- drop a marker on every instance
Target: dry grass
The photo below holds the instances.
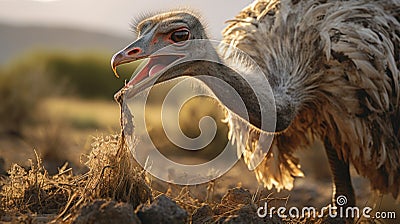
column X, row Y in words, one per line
column 32, row 195
column 112, row 175
column 35, row 191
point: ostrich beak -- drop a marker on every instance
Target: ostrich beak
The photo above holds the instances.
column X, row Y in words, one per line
column 115, row 61
column 123, row 57
column 149, row 70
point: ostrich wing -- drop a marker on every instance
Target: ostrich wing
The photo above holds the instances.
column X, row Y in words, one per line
column 343, row 60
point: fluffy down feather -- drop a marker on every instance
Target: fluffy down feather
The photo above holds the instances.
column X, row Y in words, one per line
column 340, row 59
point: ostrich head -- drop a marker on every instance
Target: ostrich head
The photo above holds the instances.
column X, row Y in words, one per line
column 155, row 33
column 176, row 28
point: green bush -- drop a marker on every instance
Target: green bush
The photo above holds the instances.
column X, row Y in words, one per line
column 22, row 87
column 28, row 80
column 87, row 75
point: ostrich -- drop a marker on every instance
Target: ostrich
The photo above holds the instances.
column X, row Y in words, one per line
column 333, row 67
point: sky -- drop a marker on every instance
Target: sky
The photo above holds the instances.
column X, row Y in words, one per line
column 111, row 16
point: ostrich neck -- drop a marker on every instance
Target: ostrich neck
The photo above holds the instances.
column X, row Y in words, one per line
column 231, row 89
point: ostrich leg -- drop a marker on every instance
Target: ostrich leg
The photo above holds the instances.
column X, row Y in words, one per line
column 340, row 176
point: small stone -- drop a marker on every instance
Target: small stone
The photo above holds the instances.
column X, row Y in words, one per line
column 103, row 211
column 162, row 210
column 204, row 214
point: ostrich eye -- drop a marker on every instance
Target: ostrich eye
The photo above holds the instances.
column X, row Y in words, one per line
column 180, row 35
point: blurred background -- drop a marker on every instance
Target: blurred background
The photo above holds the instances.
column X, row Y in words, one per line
column 57, row 87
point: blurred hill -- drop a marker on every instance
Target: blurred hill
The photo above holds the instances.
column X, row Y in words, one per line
column 17, row 40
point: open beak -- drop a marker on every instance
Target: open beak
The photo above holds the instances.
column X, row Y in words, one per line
column 148, row 71
column 122, row 57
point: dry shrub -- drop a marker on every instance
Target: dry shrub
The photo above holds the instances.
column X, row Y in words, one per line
column 35, row 191
column 112, row 175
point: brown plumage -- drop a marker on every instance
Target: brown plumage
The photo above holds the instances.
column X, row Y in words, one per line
column 341, row 58
column 334, row 70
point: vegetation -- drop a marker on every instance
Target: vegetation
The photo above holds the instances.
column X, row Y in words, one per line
column 86, row 75
column 22, row 87
column 25, row 83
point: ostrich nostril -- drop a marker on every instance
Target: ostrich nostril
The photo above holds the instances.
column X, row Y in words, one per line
column 134, row 51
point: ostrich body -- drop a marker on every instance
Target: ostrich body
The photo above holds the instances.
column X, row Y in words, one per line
column 334, row 71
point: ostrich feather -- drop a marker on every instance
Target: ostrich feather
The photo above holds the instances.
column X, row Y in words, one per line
column 344, row 58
